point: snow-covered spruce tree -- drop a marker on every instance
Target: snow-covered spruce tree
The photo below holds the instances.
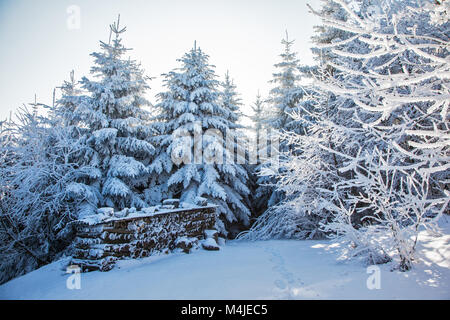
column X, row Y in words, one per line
column 192, row 127
column 258, row 149
column 65, row 106
column 283, row 100
column 258, row 118
column 285, row 95
column 229, row 99
column 294, row 114
column 236, row 138
column 117, row 136
column 83, row 190
column 237, row 141
column 396, row 88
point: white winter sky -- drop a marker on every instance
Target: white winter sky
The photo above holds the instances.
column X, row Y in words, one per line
column 38, row 50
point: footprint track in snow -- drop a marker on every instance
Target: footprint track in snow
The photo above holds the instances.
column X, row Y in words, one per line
column 287, row 280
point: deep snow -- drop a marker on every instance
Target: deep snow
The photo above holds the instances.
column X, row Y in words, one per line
column 277, row 269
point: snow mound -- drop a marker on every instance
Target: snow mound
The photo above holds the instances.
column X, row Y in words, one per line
column 274, row 269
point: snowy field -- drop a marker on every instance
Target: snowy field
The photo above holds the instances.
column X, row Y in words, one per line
column 276, row 269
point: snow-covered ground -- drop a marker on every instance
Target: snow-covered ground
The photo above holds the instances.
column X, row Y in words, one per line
column 278, row 269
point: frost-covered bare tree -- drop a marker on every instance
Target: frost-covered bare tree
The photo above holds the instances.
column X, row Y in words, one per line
column 394, row 204
column 36, row 203
column 398, row 80
column 380, row 137
column 396, row 70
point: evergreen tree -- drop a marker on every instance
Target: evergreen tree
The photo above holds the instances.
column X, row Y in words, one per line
column 83, row 190
column 230, row 100
column 283, row 101
column 286, row 94
column 237, row 142
column 258, row 118
column 117, row 132
column 260, row 192
column 192, row 126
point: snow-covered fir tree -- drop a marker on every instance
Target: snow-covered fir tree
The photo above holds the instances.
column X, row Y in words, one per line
column 60, row 166
column 117, row 133
column 230, row 100
column 259, row 150
column 285, row 95
column 192, row 127
column 259, row 119
column 283, row 100
column 237, row 140
column 83, row 190
column 65, row 106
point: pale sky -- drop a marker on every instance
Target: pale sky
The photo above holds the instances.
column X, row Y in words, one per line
column 38, row 48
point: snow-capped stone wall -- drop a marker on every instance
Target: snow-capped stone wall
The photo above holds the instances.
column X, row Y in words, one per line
column 109, row 236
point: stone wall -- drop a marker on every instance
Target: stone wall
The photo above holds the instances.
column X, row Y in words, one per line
column 99, row 244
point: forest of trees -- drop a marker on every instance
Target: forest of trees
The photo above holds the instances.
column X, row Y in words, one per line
column 363, row 152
